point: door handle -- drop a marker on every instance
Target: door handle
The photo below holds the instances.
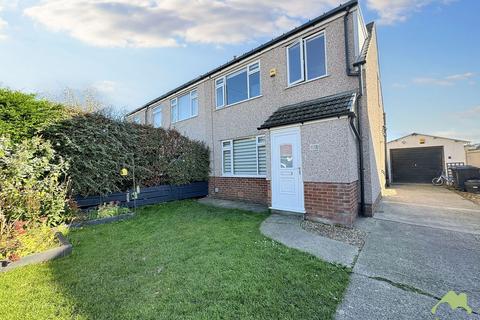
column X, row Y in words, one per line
column 299, row 171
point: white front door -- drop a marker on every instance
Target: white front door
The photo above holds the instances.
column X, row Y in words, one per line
column 287, row 182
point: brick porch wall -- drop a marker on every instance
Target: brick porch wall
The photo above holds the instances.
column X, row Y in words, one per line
column 370, row 208
column 332, row 202
column 246, row 189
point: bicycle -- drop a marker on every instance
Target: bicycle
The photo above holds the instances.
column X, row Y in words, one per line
column 443, row 179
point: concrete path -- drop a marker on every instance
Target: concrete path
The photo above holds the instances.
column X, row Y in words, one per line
column 247, row 206
column 406, row 266
column 288, row 231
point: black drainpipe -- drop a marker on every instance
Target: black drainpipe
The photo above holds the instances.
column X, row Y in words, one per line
column 356, row 128
column 387, row 174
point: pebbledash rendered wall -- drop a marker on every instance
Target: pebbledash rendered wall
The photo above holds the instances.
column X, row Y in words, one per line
column 331, row 167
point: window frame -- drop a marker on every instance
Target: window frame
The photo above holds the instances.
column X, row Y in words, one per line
column 230, row 148
column 223, row 85
column 137, row 119
column 302, row 62
column 157, row 110
column 304, row 58
column 174, row 104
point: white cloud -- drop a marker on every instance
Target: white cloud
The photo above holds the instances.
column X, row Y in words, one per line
column 163, row 23
column 3, row 24
column 472, row 114
column 394, row 11
column 444, row 81
column 106, row 86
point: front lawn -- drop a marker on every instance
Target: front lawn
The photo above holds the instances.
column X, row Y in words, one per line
column 180, row 260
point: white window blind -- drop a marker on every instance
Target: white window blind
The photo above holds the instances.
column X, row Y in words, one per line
column 244, row 157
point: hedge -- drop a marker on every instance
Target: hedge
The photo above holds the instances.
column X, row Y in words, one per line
column 97, row 147
column 23, row 115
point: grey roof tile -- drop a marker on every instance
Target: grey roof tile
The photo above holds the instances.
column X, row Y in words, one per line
column 326, row 107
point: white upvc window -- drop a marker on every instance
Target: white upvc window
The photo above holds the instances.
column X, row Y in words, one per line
column 244, row 157
column 137, row 119
column 157, row 117
column 184, row 107
column 307, row 59
column 227, row 157
column 238, row 86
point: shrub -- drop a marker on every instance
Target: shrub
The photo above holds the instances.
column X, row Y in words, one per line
column 32, row 182
column 97, row 148
column 23, row 115
column 29, row 240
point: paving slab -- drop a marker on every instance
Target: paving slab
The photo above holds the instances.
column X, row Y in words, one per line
column 371, row 299
column 288, row 231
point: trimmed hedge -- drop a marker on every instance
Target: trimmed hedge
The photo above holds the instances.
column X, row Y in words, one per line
column 97, row 147
column 23, row 115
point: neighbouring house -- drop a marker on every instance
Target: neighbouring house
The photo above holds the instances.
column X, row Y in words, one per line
column 285, row 121
column 473, row 155
column 418, row 158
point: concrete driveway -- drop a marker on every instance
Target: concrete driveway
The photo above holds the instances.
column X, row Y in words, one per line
column 429, row 206
column 423, row 243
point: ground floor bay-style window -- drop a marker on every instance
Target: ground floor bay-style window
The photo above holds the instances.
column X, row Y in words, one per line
column 244, row 157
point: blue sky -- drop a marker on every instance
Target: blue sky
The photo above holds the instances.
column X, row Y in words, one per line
column 131, row 51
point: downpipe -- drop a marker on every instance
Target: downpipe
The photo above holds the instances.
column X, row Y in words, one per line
column 356, row 128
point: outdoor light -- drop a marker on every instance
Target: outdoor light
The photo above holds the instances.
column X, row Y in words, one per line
column 124, row 172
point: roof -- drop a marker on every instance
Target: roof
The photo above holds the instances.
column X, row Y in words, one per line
column 428, row 135
column 326, row 107
column 362, row 58
column 246, row 55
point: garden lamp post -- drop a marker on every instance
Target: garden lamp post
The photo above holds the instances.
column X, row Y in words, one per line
column 136, row 189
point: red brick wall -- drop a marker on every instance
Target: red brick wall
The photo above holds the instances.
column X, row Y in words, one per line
column 335, row 202
column 246, row 189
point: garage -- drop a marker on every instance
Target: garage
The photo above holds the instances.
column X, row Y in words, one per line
column 416, row 165
column 418, row 158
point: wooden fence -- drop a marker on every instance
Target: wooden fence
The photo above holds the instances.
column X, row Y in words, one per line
column 151, row 195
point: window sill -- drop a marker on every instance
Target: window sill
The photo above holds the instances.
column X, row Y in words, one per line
column 242, row 176
column 236, row 103
column 307, row 81
column 174, row 123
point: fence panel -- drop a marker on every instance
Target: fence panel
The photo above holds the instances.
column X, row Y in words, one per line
column 151, row 195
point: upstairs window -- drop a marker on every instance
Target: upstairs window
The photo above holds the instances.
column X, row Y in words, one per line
column 157, row 117
column 137, row 119
column 184, row 107
column 307, row 59
column 238, row 86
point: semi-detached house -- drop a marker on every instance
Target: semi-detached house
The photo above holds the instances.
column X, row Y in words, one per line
column 296, row 124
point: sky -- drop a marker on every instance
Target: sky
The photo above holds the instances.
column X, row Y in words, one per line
column 131, row 51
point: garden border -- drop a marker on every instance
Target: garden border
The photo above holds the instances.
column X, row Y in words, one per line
column 63, row 250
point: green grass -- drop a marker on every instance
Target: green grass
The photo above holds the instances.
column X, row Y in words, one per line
column 180, row 260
